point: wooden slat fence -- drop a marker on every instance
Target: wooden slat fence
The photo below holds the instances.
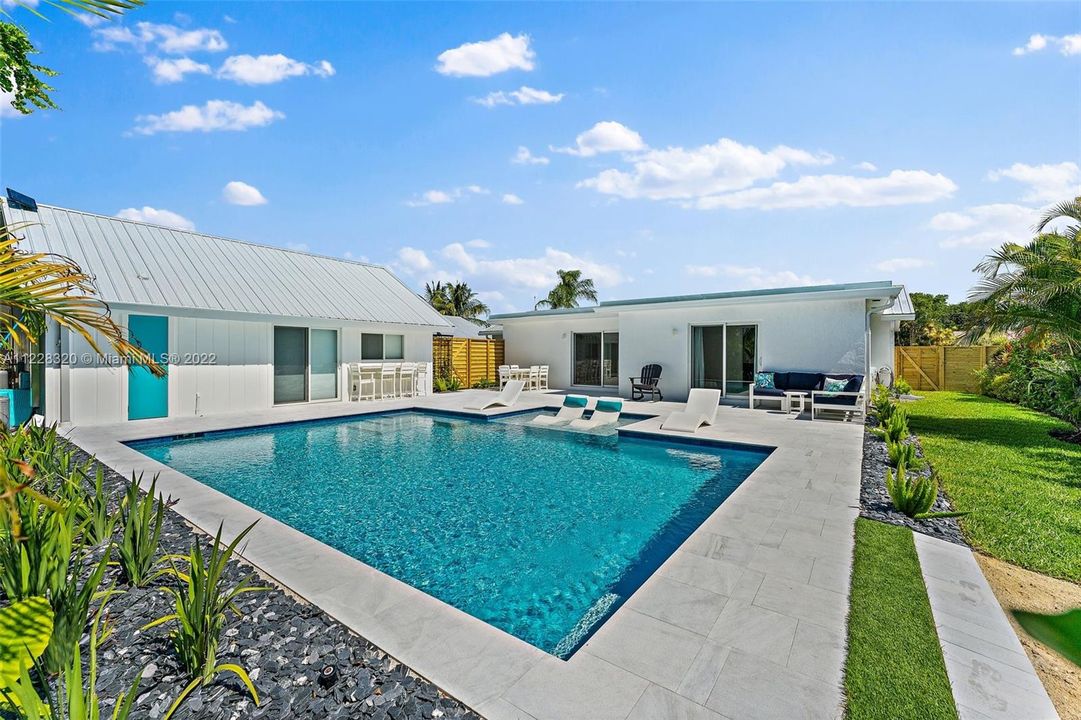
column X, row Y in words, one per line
column 468, row 359
column 940, row 367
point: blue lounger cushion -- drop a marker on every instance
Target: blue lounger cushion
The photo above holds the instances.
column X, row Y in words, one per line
column 609, row 405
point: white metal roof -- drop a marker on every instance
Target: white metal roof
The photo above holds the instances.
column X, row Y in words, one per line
column 902, row 307
column 462, row 327
column 137, row 263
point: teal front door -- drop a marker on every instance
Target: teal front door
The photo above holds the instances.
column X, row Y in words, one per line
column 148, row 396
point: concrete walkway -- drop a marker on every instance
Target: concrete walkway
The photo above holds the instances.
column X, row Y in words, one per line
column 989, row 672
column 746, row 620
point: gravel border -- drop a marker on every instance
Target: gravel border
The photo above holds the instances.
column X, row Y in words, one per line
column 875, row 501
column 282, row 641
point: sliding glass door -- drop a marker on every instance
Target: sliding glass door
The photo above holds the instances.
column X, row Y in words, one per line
column 596, row 359
column 305, row 364
column 324, row 364
column 290, row 364
column 741, row 348
column 723, row 357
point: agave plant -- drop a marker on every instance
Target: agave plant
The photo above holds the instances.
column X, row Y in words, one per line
column 914, row 495
column 902, row 455
column 202, row 600
column 895, row 429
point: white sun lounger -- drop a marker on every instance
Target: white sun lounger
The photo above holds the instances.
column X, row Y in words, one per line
column 606, row 413
column 701, row 410
column 573, row 407
column 506, row 398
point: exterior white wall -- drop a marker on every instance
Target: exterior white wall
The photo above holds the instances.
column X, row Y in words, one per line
column 882, row 339
column 550, row 342
column 820, row 335
column 240, row 377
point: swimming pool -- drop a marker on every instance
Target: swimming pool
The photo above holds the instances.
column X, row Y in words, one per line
column 539, row 532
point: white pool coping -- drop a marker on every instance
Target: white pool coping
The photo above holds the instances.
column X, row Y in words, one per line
column 745, row 620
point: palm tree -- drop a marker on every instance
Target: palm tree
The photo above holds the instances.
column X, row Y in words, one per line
column 463, row 302
column 455, row 298
column 435, row 294
column 1034, row 289
column 570, row 289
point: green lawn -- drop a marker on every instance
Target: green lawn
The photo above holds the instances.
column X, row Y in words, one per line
column 1022, row 486
column 894, row 668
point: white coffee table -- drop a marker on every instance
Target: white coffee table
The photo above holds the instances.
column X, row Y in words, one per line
column 794, row 398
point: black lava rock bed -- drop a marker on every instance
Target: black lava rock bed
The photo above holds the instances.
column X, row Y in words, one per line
column 875, row 501
column 281, row 641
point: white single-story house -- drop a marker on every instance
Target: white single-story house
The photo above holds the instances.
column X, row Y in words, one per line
column 243, row 326
column 717, row 340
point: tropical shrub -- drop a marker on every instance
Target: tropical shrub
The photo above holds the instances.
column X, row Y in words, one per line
column 901, row 387
column 483, row 384
column 446, row 382
column 201, row 600
column 137, row 549
column 1046, row 379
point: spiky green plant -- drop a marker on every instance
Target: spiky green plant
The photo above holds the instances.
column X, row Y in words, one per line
column 914, row 495
column 895, row 429
column 202, row 598
column 98, row 517
column 902, row 455
column 142, row 518
column 75, row 696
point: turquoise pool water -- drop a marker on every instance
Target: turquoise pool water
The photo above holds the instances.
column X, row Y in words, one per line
column 539, row 532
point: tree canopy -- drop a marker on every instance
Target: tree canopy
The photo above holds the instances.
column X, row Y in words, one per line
column 571, row 288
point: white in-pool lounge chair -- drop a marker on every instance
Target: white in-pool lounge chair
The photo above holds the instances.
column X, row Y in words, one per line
column 606, row 413
column 506, row 398
column 573, row 408
column 701, row 410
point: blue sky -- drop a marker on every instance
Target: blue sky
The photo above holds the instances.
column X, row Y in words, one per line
column 669, row 148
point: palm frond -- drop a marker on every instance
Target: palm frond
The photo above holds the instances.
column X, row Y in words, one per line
column 39, row 286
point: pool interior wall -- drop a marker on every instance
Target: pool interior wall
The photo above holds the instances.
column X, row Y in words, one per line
column 540, row 532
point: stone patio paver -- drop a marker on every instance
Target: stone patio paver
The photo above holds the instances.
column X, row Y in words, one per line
column 989, row 672
column 652, row 655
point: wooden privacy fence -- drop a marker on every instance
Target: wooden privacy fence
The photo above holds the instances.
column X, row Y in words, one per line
column 468, row 359
column 940, row 367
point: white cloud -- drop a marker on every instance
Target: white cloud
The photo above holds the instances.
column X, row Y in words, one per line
column 1047, row 183
column 88, row 19
column 986, row 226
column 155, row 216
column 212, row 116
column 901, row 263
column 512, row 199
column 522, row 96
column 413, row 260
column 524, row 157
column 166, row 38
column 172, row 71
column 478, row 243
column 266, row 69
column 865, row 165
column 606, row 136
column 900, row 187
column 754, row 277
column 488, row 57
column 442, row 197
column 535, row 273
column 1065, row 44
column 679, row 173
column 241, row 193
column 6, row 110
